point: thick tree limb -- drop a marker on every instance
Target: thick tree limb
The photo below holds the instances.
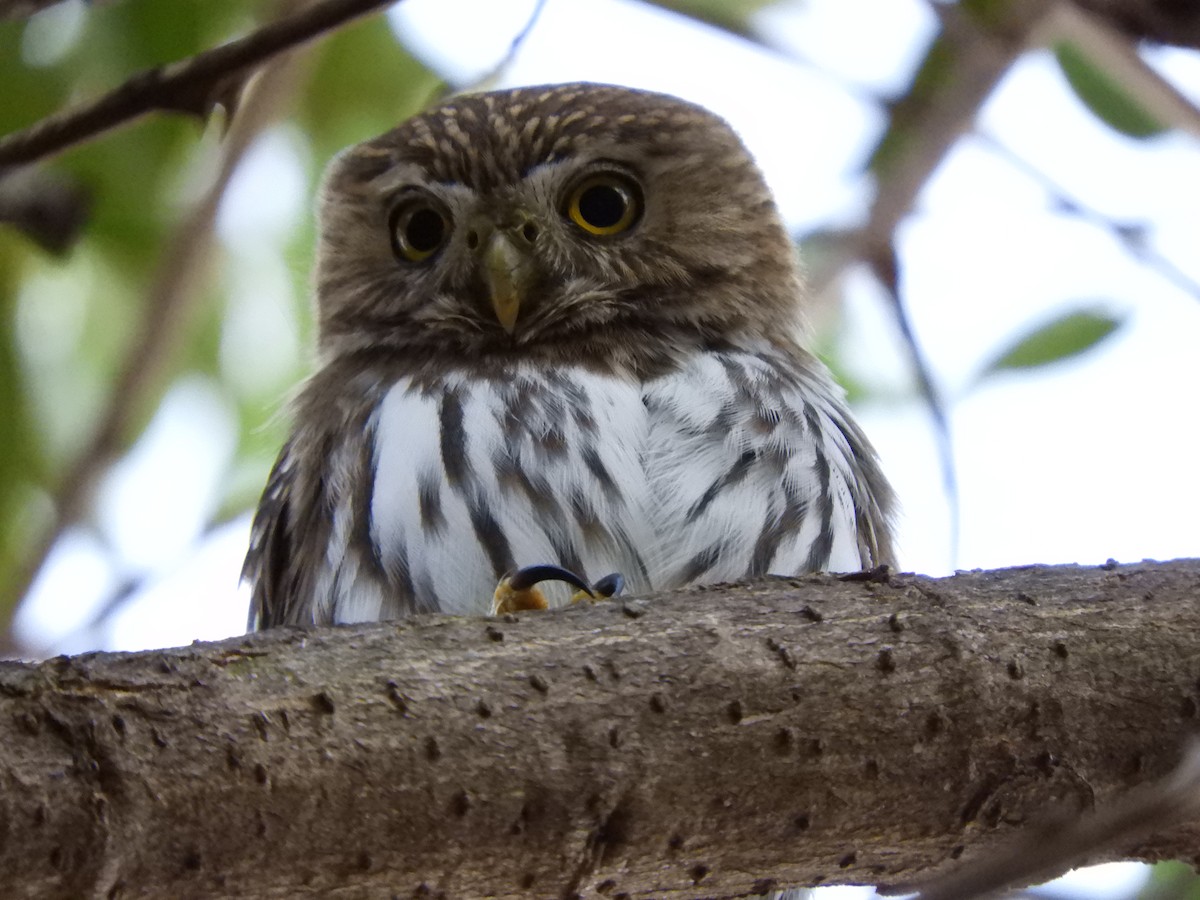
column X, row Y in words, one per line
column 706, row 743
column 190, row 86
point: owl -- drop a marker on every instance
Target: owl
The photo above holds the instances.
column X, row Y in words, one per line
column 556, row 325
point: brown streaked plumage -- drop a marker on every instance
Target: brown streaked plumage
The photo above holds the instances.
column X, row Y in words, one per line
column 556, row 325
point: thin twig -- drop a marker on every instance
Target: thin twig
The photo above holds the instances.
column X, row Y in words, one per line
column 1131, row 237
column 886, row 268
column 925, row 126
column 189, row 86
column 490, row 77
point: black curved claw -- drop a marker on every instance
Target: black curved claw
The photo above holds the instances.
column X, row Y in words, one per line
column 609, row 585
column 524, row 579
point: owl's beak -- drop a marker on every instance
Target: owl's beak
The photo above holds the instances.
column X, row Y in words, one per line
column 507, row 270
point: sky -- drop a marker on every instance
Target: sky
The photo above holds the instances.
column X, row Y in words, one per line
column 1079, row 462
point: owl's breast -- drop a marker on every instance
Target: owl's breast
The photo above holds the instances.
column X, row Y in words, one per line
column 474, row 477
column 727, row 468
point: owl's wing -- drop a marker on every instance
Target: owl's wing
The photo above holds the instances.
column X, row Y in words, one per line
column 847, row 463
column 287, row 530
column 873, row 498
column 758, row 468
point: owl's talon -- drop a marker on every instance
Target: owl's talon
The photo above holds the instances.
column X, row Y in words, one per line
column 526, row 578
column 609, row 586
column 518, row 590
column 604, row 589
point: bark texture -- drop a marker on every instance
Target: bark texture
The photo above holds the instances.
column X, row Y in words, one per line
column 704, row 743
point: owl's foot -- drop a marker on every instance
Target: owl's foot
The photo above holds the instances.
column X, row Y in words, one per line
column 605, row 588
column 518, row 590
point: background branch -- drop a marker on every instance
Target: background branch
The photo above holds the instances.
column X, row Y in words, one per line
column 191, row 86
column 710, row 743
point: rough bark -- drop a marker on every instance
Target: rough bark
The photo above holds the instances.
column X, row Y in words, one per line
column 704, row 743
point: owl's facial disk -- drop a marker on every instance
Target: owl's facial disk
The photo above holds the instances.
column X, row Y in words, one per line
column 580, row 222
column 494, row 252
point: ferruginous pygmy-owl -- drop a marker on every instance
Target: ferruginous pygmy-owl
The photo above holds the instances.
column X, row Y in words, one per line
column 556, row 325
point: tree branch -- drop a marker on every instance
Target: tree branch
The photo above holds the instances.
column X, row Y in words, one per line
column 708, row 743
column 190, row 86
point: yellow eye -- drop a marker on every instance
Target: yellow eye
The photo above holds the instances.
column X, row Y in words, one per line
column 605, row 204
column 419, row 229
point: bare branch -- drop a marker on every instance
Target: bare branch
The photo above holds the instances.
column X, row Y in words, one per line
column 190, row 86
column 960, row 70
column 711, row 742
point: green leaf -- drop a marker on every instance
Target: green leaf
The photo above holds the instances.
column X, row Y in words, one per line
column 734, row 16
column 1172, row 879
column 1104, row 95
column 363, row 82
column 1066, row 336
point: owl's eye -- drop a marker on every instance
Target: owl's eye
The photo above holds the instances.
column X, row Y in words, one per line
column 419, row 229
column 605, row 204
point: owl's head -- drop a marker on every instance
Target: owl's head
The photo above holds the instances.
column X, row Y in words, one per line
column 575, row 222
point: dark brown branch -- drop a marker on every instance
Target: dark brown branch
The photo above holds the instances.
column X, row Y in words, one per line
column 190, row 86
column 1167, row 21
column 706, row 743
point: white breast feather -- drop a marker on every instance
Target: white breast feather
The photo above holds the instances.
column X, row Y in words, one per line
column 703, row 461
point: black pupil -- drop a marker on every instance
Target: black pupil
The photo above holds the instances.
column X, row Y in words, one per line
column 425, row 230
column 602, row 206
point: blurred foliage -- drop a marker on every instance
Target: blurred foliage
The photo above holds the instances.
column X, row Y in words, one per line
column 66, row 325
column 1171, row 881
column 1063, row 337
